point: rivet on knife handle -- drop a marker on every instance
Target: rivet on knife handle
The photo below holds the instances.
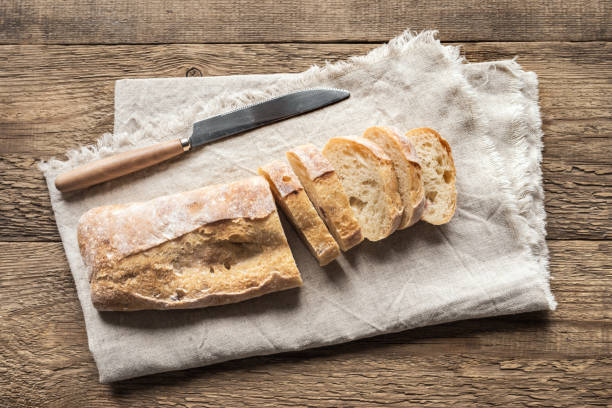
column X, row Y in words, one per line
column 119, row 165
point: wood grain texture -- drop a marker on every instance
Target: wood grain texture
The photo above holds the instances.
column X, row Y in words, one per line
column 532, row 358
column 162, row 21
column 55, row 97
column 67, row 91
column 577, row 200
column 54, row 101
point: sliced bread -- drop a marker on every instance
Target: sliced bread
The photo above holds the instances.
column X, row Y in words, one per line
column 323, row 187
column 367, row 175
column 407, row 169
column 438, row 174
column 290, row 196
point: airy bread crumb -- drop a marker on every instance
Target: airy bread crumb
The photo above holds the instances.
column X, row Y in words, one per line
column 438, row 174
column 367, row 175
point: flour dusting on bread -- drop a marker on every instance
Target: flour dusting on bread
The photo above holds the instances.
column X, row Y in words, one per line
column 313, row 161
column 129, row 228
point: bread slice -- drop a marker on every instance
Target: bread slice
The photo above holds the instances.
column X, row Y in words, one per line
column 438, row 174
column 326, row 193
column 216, row 245
column 407, row 169
column 290, row 196
column 367, row 175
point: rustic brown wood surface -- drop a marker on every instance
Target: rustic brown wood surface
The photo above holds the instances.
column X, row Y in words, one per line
column 222, row 21
column 58, row 64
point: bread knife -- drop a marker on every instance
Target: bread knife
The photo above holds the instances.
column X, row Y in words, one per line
column 205, row 131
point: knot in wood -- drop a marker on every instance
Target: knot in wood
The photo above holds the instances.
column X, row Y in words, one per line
column 193, row 72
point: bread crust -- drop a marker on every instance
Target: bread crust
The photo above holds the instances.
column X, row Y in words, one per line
column 326, row 194
column 281, row 178
column 385, row 168
column 116, row 231
column 414, row 205
column 414, row 133
column 290, row 196
column 216, row 245
column 363, row 145
column 315, row 164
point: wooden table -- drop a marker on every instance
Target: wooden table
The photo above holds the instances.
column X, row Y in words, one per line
column 58, row 64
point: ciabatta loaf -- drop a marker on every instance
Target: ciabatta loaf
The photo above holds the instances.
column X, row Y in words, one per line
column 368, row 177
column 326, row 193
column 407, row 169
column 290, row 196
column 438, row 174
column 216, row 245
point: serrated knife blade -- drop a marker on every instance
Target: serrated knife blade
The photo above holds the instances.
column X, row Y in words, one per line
column 263, row 113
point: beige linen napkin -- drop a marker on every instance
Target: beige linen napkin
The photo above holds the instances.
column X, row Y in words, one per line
column 491, row 259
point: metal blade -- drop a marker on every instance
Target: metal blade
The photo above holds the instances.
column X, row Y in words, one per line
column 263, row 113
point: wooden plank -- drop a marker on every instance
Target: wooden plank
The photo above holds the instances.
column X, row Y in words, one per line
column 60, row 97
column 25, row 208
column 141, row 21
column 53, row 100
column 550, row 358
column 577, row 200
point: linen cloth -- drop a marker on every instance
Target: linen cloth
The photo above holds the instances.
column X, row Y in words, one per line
column 491, row 259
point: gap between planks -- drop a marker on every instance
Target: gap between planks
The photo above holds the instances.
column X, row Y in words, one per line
column 53, row 98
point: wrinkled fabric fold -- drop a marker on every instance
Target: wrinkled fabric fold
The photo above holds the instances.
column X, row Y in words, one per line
column 491, row 259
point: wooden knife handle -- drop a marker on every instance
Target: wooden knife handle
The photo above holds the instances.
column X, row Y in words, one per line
column 118, row 165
